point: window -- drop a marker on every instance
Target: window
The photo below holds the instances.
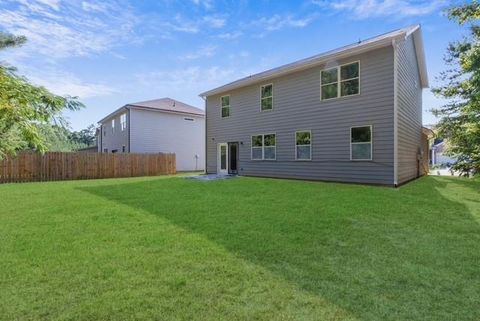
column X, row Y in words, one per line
column 105, row 150
column 264, row 147
column 113, row 126
column 340, row 81
column 267, row 97
column 303, row 145
column 123, row 148
column 189, row 119
column 114, row 151
column 123, row 121
column 257, row 147
column 361, row 143
column 225, row 106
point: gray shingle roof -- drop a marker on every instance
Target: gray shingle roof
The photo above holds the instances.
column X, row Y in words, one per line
column 168, row 104
column 162, row 105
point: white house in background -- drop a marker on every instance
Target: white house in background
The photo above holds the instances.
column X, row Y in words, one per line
column 438, row 157
column 156, row 126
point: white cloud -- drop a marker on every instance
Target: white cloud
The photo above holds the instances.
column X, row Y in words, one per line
column 230, row 35
column 181, row 24
column 277, row 22
column 64, row 83
column 189, row 80
column 202, row 52
column 214, row 21
column 63, row 29
column 91, row 6
column 207, row 4
column 242, row 54
column 363, row 9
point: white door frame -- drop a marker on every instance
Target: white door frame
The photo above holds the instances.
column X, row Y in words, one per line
column 221, row 171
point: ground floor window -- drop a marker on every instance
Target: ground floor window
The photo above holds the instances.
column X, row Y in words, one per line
column 303, row 145
column 264, row 147
column 361, row 143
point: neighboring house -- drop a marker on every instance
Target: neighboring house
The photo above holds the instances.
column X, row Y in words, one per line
column 352, row 115
column 154, row 126
column 90, row 149
column 438, row 156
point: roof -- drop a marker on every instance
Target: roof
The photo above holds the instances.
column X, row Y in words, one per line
column 352, row 49
column 166, row 104
column 428, row 132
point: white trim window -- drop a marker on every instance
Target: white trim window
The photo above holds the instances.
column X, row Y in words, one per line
column 264, row 147
column 303, row 145
column 340, row 81
column 113, row 125
column 123, row 122
column 266, row 100
column 225, row 106
column 361, row 145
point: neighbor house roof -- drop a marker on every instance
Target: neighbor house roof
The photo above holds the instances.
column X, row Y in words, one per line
column 167, row 105
column 356, row 48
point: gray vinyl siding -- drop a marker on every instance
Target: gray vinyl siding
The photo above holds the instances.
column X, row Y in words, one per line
column 155, row 132
column 117, row 138
column 297, row 106
column 409, row 111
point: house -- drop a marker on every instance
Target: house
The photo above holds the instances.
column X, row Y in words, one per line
column 439, row 157
column 89, row 149
column 161, row 125
column 353, row 114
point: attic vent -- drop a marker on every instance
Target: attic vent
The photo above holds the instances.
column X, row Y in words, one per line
column 189, row 119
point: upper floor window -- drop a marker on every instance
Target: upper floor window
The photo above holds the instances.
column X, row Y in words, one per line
column 340, row 81
column 303, row 145
column 267, row 97
column 361, row 143
column 113, row 125
column 264, row 147
column 225, row 106
column 123, row 121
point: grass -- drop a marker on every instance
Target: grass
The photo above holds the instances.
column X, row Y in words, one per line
column 240, row 249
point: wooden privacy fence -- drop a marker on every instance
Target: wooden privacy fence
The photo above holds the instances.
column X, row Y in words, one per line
column 29, row 167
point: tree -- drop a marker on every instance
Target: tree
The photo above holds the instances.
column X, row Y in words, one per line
column 25, row 108
column 460, row 117
column 85, row 137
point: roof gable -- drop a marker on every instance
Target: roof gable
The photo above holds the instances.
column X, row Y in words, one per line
column 342, row 52
column 167, row 105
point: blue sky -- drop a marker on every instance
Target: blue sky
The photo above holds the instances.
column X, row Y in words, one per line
column 110, row 52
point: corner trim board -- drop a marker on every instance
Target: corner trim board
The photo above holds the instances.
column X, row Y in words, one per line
column 395, row 112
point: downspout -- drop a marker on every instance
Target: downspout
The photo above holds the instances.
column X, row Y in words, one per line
column 128, row 130
column 395, row 112
column 205, row 99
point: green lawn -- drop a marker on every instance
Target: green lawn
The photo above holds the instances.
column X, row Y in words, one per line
column 241, row 249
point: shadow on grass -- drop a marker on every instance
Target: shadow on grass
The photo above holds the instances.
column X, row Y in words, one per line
column 380, row 253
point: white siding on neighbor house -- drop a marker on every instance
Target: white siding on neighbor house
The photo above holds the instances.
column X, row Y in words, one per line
column 154, row 132
column 409, row 111
column 113, row 140
column 297, row 106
